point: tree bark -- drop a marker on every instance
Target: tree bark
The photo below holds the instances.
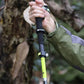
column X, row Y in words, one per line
column 15, row 56
column 65, row 13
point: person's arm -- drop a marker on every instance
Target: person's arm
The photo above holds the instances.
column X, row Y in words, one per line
column 70, row 46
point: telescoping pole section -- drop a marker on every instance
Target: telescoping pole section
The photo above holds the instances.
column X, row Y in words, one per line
column 42, row 53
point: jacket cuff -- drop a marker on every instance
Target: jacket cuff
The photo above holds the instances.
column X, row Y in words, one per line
column 51, row 34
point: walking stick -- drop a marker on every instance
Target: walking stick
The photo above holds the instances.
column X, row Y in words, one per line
column 42, row 53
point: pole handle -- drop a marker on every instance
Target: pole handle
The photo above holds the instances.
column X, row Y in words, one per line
column 39, row 22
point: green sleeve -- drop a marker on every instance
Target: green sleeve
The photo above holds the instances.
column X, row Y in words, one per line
column 72, row 52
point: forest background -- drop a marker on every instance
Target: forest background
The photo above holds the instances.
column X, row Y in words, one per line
column 19, row 63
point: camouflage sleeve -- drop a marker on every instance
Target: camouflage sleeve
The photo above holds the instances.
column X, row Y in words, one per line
column 71, row 47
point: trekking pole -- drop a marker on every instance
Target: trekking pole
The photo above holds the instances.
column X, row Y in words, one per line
column 42, row 53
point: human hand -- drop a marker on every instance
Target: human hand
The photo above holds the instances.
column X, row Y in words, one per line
column 36, row 10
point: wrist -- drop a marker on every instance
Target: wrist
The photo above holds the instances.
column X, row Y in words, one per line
column 49, row 35
column 53, row 29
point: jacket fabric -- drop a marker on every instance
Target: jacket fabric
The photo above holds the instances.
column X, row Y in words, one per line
column 70, row 46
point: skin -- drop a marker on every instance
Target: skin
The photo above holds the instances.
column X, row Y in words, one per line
column 36, row 10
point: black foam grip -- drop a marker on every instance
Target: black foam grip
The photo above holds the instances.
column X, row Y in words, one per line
column 40, row 37
column 39, row 23
column 39, row 26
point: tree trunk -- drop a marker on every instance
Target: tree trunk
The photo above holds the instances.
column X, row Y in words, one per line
column 16, row 60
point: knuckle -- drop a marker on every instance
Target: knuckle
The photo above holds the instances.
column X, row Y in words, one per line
column 34, row 11
column 40, row 15
column 34, row 15
column 33, row 7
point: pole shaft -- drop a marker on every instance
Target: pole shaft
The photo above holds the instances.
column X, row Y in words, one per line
column 40, row 32
column 43, row 64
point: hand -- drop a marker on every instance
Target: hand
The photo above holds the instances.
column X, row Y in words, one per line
column 36, row 10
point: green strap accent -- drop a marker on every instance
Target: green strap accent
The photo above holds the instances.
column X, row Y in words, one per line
column 43, row 64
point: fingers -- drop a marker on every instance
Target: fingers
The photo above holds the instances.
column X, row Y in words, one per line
column 36, row 11
column 37, row 2
column 40, row 2
column 32, row 3
column 35, row 8
column 36, row 15
column 46, row 13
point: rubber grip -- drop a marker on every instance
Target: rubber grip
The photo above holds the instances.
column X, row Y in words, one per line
column 39, row 23
column 39, row 26
column 40, row 38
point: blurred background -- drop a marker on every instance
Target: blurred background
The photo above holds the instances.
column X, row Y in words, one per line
column 58, row 70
